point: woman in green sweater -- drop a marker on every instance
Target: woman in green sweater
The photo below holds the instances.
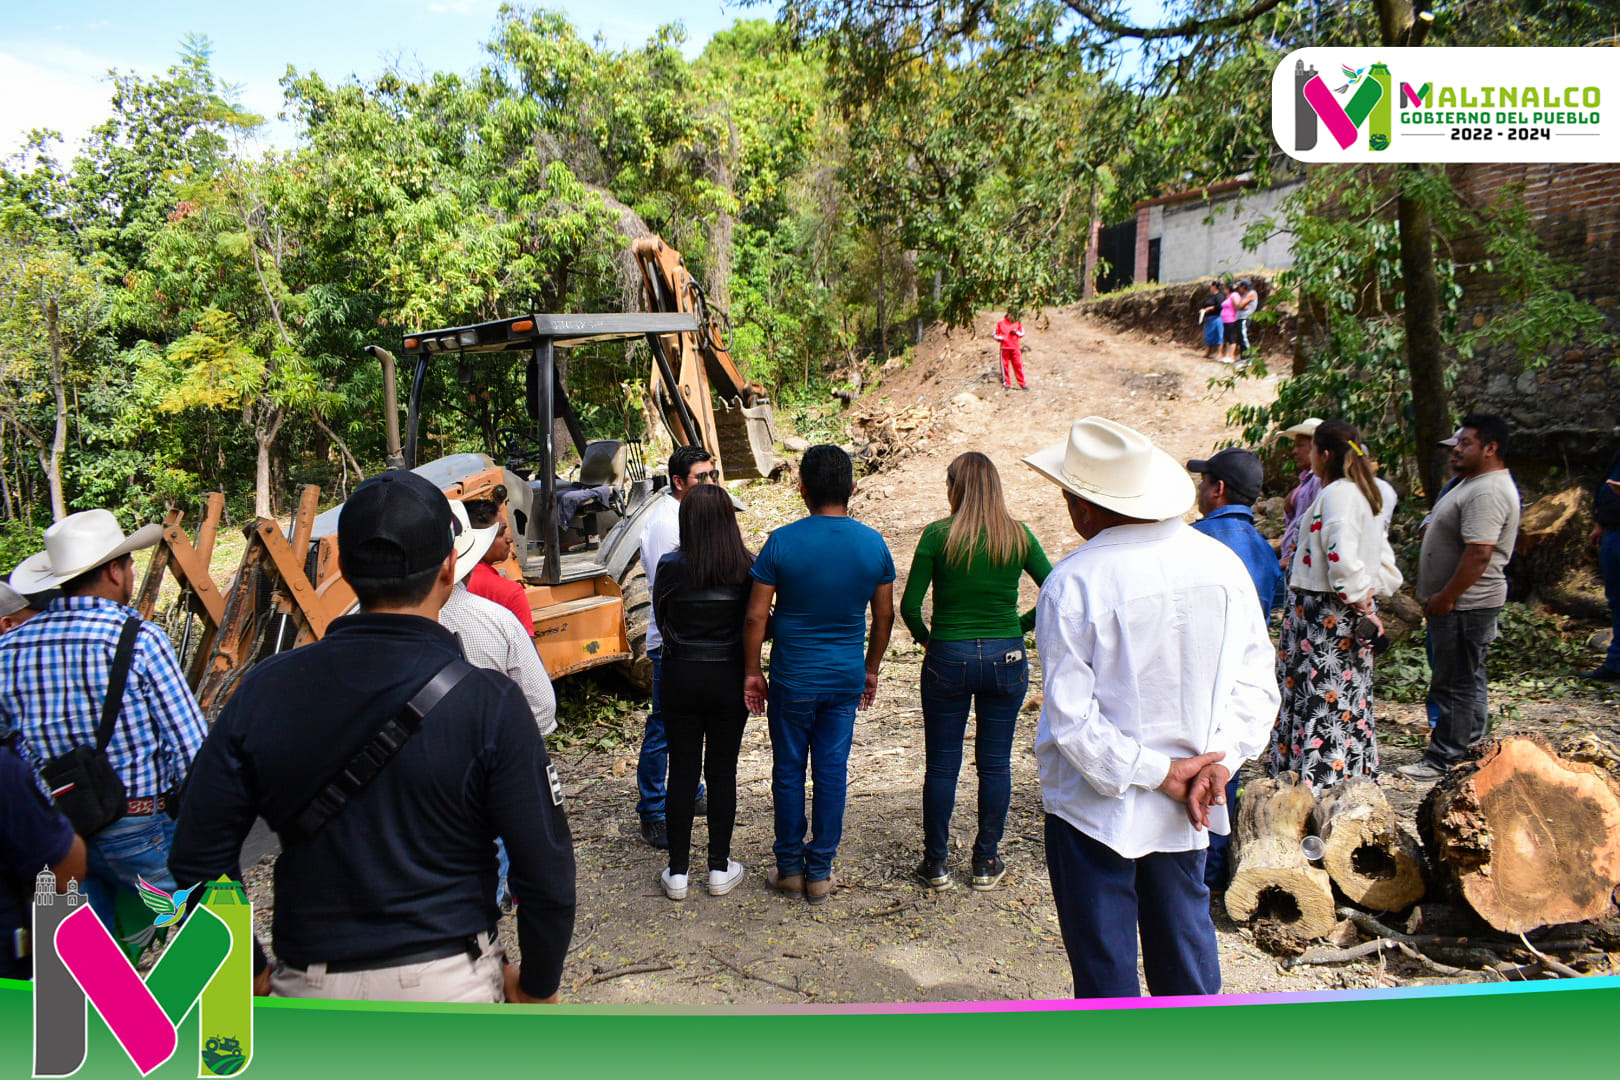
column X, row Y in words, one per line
column 974, row 560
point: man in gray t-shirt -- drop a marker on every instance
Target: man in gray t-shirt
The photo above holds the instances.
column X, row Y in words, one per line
column 1463, row 587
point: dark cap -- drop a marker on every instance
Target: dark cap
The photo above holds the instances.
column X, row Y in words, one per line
column 1240, row 470
column 394, row 525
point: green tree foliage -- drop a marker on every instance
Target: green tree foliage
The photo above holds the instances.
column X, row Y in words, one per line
column 836, row 178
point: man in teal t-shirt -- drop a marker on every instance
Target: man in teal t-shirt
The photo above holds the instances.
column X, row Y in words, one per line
column 822, row 571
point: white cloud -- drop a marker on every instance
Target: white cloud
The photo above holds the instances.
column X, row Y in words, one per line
column 61, row 89
column 463, row 7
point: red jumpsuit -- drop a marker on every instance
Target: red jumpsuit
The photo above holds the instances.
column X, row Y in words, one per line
column 1011, row 336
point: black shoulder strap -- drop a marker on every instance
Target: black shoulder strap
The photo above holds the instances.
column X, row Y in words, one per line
column 113, row 703
column 378, row 751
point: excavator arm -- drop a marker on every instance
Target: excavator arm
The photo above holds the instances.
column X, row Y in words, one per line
column 698, row 386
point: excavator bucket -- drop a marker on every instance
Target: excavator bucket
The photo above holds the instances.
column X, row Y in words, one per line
column 747, row 438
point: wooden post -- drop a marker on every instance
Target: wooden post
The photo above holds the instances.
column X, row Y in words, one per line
column 1372, row 860
column 1272, row 880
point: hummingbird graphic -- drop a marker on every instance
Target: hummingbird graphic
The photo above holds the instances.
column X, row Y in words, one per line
column 169, row 909
column 1352, row 75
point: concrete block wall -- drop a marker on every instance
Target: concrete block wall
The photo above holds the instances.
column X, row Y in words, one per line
column 1200, row 240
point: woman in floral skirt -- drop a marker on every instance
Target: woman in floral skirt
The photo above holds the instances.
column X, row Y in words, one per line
column 1325, row 732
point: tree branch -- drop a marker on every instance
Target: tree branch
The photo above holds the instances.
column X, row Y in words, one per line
column 1114, row 28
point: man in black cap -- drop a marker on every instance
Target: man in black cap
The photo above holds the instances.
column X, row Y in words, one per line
column 1230, row 483
column 385, row 886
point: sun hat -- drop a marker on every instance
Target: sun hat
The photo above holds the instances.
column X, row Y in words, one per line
column 1118, row 469
column 1240, row 470
column 394, row 525
column 77, row 543
column 1306, row 427
column 471, row 544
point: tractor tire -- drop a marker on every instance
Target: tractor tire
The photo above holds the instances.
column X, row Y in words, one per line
column 638, row 615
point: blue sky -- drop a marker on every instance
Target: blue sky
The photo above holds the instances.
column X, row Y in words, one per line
column 54, row 56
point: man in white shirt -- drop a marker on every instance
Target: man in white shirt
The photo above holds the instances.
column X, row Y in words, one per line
column 1160, row 683
column 490, row 635
column 688, row 465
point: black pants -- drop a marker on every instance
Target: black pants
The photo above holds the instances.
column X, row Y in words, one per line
column 702, row 702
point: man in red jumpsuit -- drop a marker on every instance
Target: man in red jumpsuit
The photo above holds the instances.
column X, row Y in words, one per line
column 1010, row 332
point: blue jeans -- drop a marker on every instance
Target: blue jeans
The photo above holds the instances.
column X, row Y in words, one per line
column 131, row 847
column 814, row 728
column 994, row 672
column 1459, row 681
column 1609, row 566
column 652, row 770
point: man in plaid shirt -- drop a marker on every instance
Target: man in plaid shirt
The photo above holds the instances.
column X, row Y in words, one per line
column 54, row 672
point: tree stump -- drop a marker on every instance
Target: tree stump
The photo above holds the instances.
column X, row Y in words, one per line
column 1273, row 880
column 1525, row 837
column 1372, row 860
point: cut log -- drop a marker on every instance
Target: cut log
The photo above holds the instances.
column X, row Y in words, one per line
column 1372, row 860
column 1525, row 837
column 1272, row 879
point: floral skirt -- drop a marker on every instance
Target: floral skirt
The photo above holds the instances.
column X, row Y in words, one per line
column 1325, row 731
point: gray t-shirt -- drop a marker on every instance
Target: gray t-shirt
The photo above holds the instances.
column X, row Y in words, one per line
column 1482, row 509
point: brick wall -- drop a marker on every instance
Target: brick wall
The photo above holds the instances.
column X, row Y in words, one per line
column 1567, row 412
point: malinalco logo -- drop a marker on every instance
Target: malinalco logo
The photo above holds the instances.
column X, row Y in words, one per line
column 208, row 965
column 1392, row 104
column 1364, row 99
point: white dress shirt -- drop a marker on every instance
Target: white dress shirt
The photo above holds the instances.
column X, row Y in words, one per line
column 1153, row 648
column 661, row 536
column 491, row 637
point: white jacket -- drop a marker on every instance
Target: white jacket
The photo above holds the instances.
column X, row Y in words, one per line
column 1343, row 548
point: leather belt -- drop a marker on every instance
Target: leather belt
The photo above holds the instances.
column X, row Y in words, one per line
column 412, row 954
column 141, row 807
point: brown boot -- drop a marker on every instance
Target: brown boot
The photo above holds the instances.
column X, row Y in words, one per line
column 785, row 883
column 817, row 891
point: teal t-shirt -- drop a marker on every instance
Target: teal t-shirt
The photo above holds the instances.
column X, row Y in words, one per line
column 824, row 570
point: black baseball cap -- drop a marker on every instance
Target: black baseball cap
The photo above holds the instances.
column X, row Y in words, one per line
column 1240, row 470
column 394, row 525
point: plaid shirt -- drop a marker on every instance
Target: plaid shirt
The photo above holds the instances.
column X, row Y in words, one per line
column 491, row 637
column 53, row 678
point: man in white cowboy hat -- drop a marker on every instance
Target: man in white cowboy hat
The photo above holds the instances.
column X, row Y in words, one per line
column 1160, row 683
column 490, row 635
column 54, row 673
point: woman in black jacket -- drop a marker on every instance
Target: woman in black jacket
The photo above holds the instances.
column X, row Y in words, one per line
column 699, row 601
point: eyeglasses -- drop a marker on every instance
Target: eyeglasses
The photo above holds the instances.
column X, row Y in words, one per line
column 710, row 477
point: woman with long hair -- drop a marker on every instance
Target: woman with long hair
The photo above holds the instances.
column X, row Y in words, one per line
column 974, row 561
column 700, row 601
column 1325, row 661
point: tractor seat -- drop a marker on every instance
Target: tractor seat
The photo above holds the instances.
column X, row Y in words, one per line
column 603, row 464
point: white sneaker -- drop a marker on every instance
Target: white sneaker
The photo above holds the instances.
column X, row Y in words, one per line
column 674, row 884
column 723, row 881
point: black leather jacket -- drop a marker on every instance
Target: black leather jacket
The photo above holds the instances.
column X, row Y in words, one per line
column 698, row 624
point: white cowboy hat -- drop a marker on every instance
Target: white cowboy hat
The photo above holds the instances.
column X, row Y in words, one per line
column 471, row 544
column 1117, row 469
column 1306, row 427
column 77, row 543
